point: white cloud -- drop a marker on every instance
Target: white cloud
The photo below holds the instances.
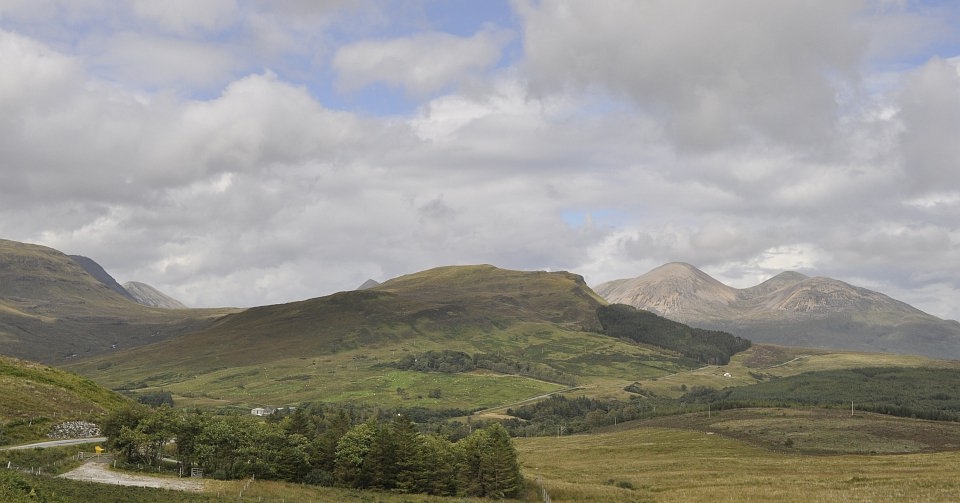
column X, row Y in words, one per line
column 158, row 62
column 33, row 74
column 421, row 64
column 186, row 16
column 199, row 150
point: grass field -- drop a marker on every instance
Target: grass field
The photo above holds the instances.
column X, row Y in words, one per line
column 681, row 465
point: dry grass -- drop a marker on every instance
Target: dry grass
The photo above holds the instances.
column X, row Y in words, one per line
column 666, row 465
column 276, row 492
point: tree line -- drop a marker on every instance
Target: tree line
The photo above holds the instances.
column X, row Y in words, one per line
column 323, row 447
column 923, row 393
column 704, row 346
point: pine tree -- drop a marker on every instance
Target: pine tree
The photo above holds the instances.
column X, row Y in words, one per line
column 380, row 463
column 411, row 457
column 471, row 477
column 504, row 478
column 488, row 464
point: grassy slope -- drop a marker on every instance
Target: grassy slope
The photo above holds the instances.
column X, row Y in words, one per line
column 31, row 390
column 51, row 310
column 697, row 460
column 35, row 396
column 335, row 348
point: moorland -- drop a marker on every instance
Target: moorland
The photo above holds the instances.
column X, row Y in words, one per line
column 599, row 402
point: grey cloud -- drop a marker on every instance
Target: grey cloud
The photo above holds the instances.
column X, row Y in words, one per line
column 930, row 113
column 716, row 73
column 421, row 65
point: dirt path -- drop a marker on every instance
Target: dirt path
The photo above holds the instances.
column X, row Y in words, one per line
column 93, row 471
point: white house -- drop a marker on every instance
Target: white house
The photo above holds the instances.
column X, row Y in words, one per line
column 262, row 411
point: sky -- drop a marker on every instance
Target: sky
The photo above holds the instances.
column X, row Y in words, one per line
column 247, row 152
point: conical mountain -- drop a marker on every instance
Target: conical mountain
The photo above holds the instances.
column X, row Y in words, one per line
column 790, row 309
column 677, row 290
column 370, row 283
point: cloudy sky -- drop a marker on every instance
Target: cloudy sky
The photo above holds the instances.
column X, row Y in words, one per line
column 245, row 152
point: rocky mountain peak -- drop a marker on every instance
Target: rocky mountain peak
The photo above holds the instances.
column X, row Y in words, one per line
column 789, row 308
column 675, row 289
column 150, row 296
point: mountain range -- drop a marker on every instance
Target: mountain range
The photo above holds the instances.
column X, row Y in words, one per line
column 55, row 307
column 789, row 309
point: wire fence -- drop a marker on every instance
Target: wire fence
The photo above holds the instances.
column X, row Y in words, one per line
column 544, row 495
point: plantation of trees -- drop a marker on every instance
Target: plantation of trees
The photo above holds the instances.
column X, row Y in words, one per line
column 322, row 447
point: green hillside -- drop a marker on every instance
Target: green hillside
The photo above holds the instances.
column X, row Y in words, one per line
column 537, row 329
column 36, row 396
column 52, row 310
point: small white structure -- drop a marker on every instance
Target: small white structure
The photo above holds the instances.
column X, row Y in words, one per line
column 262, row 411
column 727, row 374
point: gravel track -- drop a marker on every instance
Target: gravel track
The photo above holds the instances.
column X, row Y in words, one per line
column 93, row 471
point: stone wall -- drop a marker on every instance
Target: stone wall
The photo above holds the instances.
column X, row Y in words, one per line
column 74, row 429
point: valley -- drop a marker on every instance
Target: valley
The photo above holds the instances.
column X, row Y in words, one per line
column 604, row 402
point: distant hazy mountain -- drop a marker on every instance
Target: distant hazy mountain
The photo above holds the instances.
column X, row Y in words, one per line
column 368, row 284
column 790, row 309
column 100, row 274
column 52, row 309
column 150, row 296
